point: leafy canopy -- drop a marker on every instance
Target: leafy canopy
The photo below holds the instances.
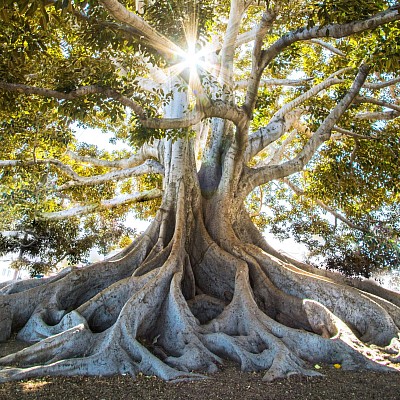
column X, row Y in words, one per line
column 64, row 45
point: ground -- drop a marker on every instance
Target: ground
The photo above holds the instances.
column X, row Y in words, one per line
column 229, row 383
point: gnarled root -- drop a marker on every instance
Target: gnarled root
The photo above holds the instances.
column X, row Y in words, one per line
column 172, row 314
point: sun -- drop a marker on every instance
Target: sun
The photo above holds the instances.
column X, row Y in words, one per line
column 192, row 59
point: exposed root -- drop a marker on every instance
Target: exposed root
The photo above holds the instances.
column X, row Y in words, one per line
column 54, row 297
column 116, row 350
column 22, row 286
column 37, row 329
column 186, row 305
column 180, row 335
column 102, row 310
column 240, row 335
column 73, row 342
column 370, row 320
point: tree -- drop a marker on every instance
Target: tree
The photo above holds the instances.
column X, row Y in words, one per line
column 216, row 99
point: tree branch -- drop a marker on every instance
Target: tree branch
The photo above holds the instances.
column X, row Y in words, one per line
column 246, row 37
column 147, row 34
column 346, row 132
column 384, row 115
column 331, row 30
column 145, row 152
column 371, row 100
column 237, row 9
column 336, row 214
column 265, row 174
column 149, row 167
column 190, row 119
column 103, row 205
column 255, row 74
column 329, row 47
column 280, row 121
column 23, row 163
column 276, row 82
column 381, row 85
column 277, row 153
column 266, row 22
column 216, row 109
column 74, row 94
column 302, row 34
column 127, row 30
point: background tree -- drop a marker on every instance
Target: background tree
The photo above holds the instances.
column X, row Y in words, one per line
column 215, row 99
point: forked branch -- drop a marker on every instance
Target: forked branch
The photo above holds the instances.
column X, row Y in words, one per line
column 303, row 34
column 265, row 174
column 104, row 205
column 280, row 121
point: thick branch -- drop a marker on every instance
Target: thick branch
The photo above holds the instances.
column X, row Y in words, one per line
column 266, row 174
column 149, row 167
column 232, row 113
column 331, row 30
column 190, row 119
column 266, row 21
column 302, row 34
column 146, row 33
column 246, row 37
column 255, row 75
column 236, row 12
column 104, row 205
column 74, row 94
column 280, row 121
column 218, row 109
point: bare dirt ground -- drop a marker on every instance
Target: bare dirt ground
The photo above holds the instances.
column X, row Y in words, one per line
column 229, row 383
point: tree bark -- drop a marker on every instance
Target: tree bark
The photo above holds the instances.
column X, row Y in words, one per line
column 200, row 285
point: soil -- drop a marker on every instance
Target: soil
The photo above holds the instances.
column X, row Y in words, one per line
column 229, row 383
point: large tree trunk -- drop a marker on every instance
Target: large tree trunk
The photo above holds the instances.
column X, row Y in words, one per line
column 201, row 284
column 198, row 286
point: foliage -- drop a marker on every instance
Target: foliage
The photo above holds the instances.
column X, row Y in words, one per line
column 69, row 44
column 371, row 247
column 41, row 245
